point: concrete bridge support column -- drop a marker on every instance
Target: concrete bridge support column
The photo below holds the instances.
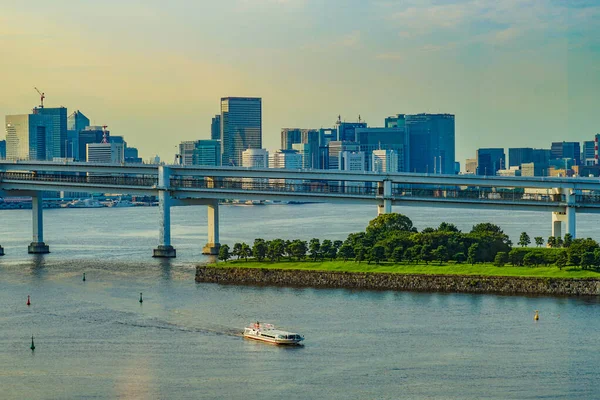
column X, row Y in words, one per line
column 164, row 249
column 568, row 216
column 213, row 245
column 385, row 190
column 37, row 246
column 557, row 218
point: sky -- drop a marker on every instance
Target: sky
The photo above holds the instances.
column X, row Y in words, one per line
column 516, row 73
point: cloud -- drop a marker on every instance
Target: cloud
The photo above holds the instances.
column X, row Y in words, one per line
column 390, row 56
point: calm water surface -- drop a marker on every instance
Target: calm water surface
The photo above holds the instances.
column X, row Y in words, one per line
column 95, row 340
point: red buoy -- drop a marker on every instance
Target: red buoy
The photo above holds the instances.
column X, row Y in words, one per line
column 28, row 301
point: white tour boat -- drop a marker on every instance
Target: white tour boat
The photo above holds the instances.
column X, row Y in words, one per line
column 268, row 333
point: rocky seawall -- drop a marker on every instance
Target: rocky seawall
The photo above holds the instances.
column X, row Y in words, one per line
column 383, row 281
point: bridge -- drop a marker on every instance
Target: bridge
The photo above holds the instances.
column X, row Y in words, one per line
column 176, row 185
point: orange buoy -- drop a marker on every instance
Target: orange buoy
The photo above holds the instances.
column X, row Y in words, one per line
column 28, row 301
column 536, row 316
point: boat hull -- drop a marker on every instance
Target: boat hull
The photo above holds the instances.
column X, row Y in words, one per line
column 280, row 342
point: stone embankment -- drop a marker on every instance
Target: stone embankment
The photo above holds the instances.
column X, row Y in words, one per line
column 384, row 281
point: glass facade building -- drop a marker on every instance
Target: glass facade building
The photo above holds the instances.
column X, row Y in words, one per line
column 58, row 141
column 241, row 127
column 396, row 139
column 490, row 160
column 431, row 143
column 29, row 137
column 215, row 128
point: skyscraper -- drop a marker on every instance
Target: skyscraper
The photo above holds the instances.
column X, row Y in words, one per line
column 384, row 161
column 346, row 131
column 431, row 143
column 490, row 160
column 288, row 159
column 2, row 149
column 105, row 153
column 519, row 155
column 241, row 127
column 337, row 147
column 561, row 150
column 215, row 127
column 306, row 152
column 76, row 122
column 255, row 158
column 58, row 141
column 588, row 153
column 90, row 134
column 310, row 137
column 395, row 139
column 29, row 137
column 290, row 136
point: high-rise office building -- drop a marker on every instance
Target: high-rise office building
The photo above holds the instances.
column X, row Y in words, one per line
column 337, row 147
column 132, row 156
column 490, row 160
column 290, row 136
column 241, row 127
column 306, row 153
column 569, row 150
column 89, row 135
column 384, row 161
column 255, row 158
column 288, row 159
column 58, row 143
column 396, row 121
column 519, row 155
column 431, row 143
column 76, row 122
column 29, row 137
column 215, row 127
column 2, row 149
column 208, row 153
column 105, row 153
column 471, row 166
column 186, row 152
column 395, row 139
column 352, row 161
column 346, row 131
column 588, row 153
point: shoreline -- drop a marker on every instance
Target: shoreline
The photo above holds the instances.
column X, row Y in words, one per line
column 398, row 282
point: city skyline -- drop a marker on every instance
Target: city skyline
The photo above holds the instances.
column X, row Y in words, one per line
column 513, row 73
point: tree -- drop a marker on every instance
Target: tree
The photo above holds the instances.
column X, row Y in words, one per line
column 487, row 227
column 561, row 259
column 472, row 256
column 377, row 253
column 275, row 249
column 245, row 251
column 559, row 242
column 568, row 240
column 539, row 241
column 459, row 257
column 287, row 249
column 346, row 252
column 259, row 250
column 314, row 247
column 596, row 258
column 224, row 253
column 359, row 252
column 530, row 259
column 501, row 259
column 413, row 253
column 327, row 249
column 552, row 242
column 446, row 227
column 387, row 223
column 587, row 260
column 298, row 249
column 440, row 254
column 337, row 244
column 426, row 253
column 237, row 248
column 524, row 239
column 397, row 254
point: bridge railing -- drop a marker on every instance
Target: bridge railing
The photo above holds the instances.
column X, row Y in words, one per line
column 111, row 180
column 471, row 194
column 272, row 185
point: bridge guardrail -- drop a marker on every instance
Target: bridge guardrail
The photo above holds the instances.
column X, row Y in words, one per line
column 86, row 179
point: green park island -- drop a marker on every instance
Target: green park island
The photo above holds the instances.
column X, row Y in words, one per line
column 391, row 254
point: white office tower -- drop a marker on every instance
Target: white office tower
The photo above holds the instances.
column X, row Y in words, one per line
column 105, row 153
column 254, row 158
column 285, row 159
column 384, row 161
column 352, row 161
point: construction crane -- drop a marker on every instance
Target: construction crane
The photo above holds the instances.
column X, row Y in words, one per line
column 42, row 97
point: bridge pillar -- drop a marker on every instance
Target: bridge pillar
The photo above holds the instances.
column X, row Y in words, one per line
column 37, row 246
column 213, row 245
column 164, row 249
column 385, row 190
column 568, row 216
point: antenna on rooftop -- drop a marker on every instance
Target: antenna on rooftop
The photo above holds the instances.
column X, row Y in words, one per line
column 104, row 134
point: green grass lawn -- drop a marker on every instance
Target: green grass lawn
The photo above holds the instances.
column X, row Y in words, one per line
column 486, row 269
